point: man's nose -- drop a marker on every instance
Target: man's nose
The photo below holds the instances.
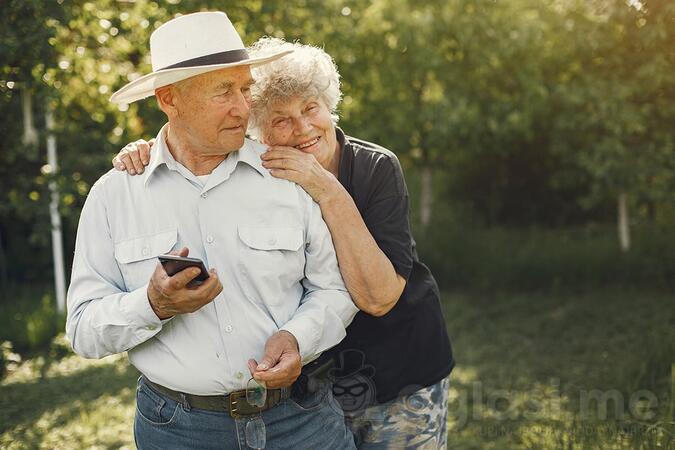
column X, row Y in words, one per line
column 241, row 105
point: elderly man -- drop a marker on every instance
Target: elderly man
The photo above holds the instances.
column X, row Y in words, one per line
column 277, row 295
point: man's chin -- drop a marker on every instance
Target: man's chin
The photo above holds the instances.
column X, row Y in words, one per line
column 233, row 142
column 224, row 147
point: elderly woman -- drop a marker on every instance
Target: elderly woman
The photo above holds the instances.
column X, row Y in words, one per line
column 391, row 369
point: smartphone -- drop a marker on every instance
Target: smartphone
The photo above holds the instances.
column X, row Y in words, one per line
column 173, row 264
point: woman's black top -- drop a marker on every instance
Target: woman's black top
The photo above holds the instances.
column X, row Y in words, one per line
column 408, row 348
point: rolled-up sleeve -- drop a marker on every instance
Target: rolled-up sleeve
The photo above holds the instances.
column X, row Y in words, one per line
column 102, row 318
column 326, row 309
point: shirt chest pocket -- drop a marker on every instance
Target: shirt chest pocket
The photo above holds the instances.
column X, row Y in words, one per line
column 137, row 257
column 272, row 262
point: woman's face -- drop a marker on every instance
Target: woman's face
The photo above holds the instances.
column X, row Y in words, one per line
column 303, row 123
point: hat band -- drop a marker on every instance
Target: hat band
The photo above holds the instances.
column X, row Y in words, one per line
column 230, row 56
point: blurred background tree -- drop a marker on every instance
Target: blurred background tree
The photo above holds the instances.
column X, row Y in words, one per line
column 516, row 121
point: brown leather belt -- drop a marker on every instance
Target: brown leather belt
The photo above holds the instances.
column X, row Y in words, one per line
column 234, row 403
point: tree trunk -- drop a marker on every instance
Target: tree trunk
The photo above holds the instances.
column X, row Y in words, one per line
column 623, row 225
column 57, row 238
column 30, row 135
column 426, row 196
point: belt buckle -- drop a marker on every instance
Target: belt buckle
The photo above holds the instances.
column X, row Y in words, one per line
column 239, row 407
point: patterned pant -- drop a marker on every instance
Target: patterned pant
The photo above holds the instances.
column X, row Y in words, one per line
column 415, row 421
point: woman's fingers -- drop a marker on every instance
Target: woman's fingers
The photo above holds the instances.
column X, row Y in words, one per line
column 118, row 164
column 283, row 163
column 290, row 175
column 144, row 152
column 277, row 152
column 128, row 163
column 135, row 156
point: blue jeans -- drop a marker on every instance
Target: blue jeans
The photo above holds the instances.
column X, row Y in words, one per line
column 313, row 422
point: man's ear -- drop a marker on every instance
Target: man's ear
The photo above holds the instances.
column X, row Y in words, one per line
column 166, row 98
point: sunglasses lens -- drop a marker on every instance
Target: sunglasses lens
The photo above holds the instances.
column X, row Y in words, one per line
column 256, row 393
column 255, row 433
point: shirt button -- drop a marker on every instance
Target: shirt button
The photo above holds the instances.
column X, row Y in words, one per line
column 204, row 195
column 228, row 329
column 239, row 375
column 152, row 327
column 272, row 240
column 209, row 239
column 145, row 251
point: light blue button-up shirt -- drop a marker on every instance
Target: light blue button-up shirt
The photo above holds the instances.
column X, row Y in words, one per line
column 265, row 237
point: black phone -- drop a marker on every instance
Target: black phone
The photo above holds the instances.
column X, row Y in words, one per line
column 173, row 264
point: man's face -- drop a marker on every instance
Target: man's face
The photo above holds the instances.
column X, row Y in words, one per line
column 303, row 123
column 213, row 109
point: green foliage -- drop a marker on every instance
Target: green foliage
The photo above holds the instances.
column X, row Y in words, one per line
column 534, row 113
column 28, row 319
column 567, row 259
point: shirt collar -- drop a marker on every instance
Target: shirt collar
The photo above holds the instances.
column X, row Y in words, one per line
column 159, row 155
column 344, row 174
column 249, row 153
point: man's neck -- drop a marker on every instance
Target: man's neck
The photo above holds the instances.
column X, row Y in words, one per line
column 190, row 157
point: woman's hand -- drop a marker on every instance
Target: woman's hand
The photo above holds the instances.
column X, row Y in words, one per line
column 134, row 156
column 302, row 168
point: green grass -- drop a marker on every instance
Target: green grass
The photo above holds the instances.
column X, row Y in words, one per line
column 518, row 356
column 71, row 403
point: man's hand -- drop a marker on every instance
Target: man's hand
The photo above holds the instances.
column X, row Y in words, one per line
column 281, row 364
column 134, row 156
column 169, row 296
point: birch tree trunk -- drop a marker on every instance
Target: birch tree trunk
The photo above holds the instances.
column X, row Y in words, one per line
column 57, row 239
column 623, row 225
column 30, row 135
column 426, row 195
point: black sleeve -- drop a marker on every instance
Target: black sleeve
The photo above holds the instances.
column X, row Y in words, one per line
column 386, row 213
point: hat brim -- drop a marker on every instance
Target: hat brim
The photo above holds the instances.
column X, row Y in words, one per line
column 145, row 86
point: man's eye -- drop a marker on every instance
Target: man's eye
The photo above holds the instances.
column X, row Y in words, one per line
column 280, row 122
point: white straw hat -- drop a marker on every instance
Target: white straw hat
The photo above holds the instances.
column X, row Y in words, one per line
column 188, row 46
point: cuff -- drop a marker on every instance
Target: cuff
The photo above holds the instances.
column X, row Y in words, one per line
column 307, row 339
column 136, row 307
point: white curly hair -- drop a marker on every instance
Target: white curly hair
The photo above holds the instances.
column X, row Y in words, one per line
column 308, row 72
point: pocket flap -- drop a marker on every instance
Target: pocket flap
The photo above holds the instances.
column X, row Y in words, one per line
column 145, row 247
column 272, row 238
